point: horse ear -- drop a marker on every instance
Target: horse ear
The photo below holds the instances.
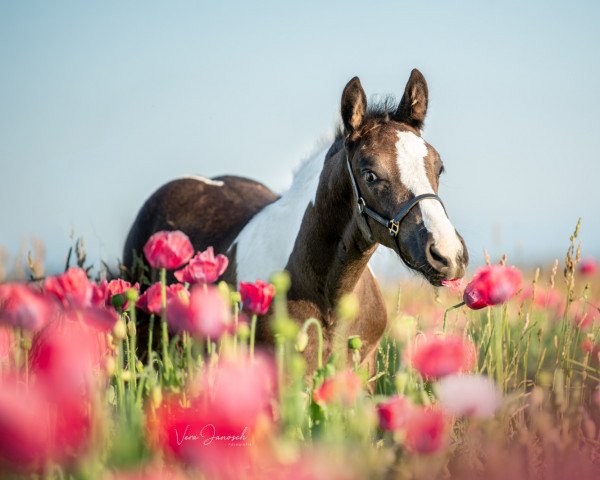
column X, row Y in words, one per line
column 413, row 106
column 354, row 105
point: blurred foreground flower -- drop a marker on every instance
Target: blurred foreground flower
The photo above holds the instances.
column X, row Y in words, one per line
column 257, row 296
column 168, row 249
column 204, row 314
column 344, row 387
column 68, row 352
column 204, row 267
column 492, row 285
column 22, row 307
column 437, row 356
column 426, row 430
column 38, row 426
column 220, row 431
column 71, row 288
column 394, row 412
column 468, row 395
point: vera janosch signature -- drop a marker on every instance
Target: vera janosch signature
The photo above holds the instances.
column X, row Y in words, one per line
column 209, row 434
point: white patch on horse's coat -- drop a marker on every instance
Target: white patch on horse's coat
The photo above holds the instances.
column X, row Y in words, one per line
column 208, row 181
column 410, row 156
column 266, row 242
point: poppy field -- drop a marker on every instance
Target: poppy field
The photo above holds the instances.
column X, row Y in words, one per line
column 497, row 376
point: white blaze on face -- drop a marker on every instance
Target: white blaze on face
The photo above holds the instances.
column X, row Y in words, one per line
column 410, row 156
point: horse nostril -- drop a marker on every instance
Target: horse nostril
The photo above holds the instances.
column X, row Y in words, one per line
column 436, row 259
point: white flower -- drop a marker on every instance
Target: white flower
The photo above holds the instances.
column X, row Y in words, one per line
column 468, row 395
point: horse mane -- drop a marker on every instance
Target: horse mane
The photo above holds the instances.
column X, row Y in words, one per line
column 379, row 110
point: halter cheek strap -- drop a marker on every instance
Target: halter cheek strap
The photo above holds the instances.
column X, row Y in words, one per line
column 392, row 224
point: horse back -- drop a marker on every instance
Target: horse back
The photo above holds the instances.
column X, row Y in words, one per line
column 210, row 212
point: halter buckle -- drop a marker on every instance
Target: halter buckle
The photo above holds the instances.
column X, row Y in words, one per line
column 361, row 205
column 394, row 228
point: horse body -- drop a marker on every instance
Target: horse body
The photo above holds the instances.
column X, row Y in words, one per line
column 318, row 230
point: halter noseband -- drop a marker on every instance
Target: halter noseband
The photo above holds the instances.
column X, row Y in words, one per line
column 392, row 224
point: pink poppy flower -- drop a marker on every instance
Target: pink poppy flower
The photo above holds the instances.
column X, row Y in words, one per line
column 151, row 301
column 22, row 307
column 426, row 430
column 168, row 250
column 25, row 435
column 68, row 352
column 119, row 287
column 437, row 356
column 6, row 344
column 204, row 267
column 38, row 426
column 394, row 412
column 468, row 395
column 344, row 387
column 588, row 267
column 187, row 434
column 591, row 347
column 492, row 285
column 204, row 314
column 546, row 299
column 257, row 296
column 71, row 288
column 584, row 314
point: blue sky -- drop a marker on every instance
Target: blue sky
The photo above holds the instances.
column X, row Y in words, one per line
column 102, row 103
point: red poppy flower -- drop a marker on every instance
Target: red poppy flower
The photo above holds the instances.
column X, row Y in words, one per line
column 394, row 412
column 426, row 430
column 151, row 300
column 168, row 250
column 492, row 285
column 204, row 314
column 588, row 267
column 71, row 288
column 437, row 356
column 257, row 296
column 344, row 387
column 204, row 267
column 21, row 306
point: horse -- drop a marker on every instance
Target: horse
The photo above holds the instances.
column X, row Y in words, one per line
column 376, row 184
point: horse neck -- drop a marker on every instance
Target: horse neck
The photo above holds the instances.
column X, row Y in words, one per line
column 330, row 252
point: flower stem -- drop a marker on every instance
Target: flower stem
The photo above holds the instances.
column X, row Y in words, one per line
column 165, row 333
column 317, row 324
column 453, row 307
column 150, row 334
column 252, row 335
column 133, row 344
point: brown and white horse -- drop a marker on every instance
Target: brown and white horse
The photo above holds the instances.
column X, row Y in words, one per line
column 324, row 229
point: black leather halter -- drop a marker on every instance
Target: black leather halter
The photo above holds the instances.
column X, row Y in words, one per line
column 392, row 224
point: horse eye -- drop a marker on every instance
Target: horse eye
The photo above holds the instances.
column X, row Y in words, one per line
column 370, row 177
